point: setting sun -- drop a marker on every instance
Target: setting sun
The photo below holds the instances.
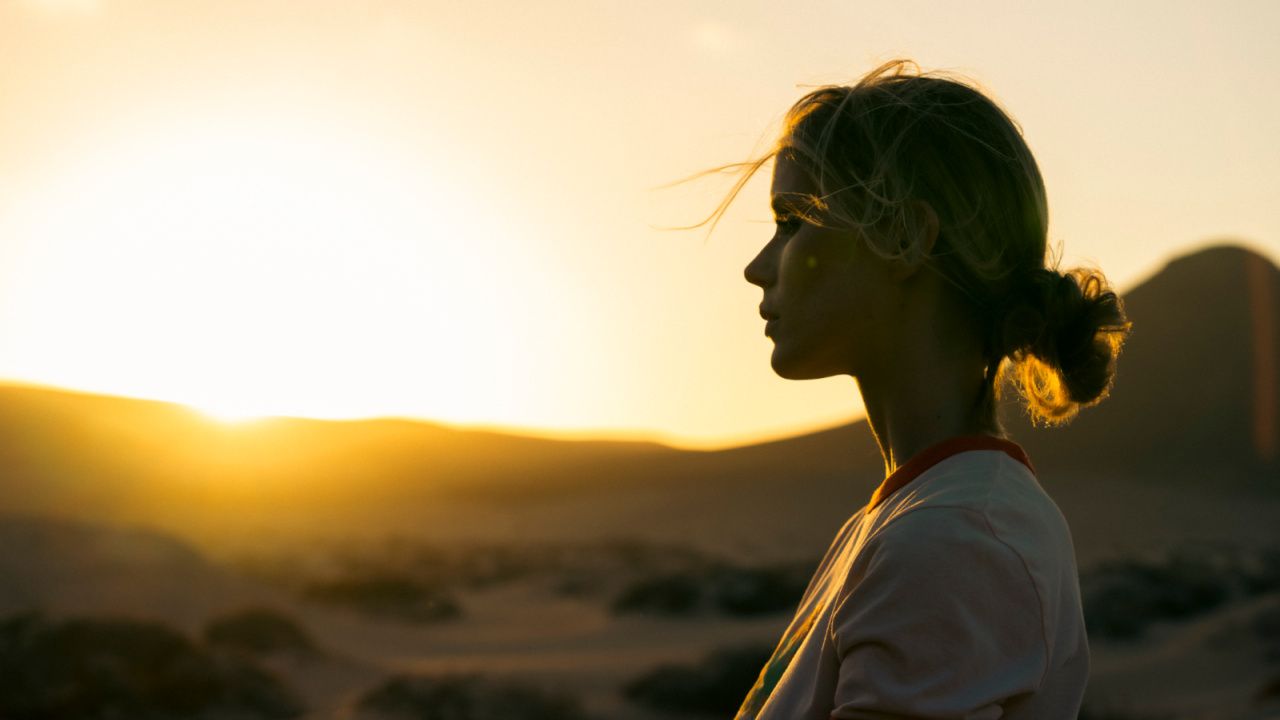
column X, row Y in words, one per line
column 229, row 414
column 418, row 209
column 654, row 360
column 257, row 265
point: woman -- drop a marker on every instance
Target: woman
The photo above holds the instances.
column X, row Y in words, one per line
column 909, row 253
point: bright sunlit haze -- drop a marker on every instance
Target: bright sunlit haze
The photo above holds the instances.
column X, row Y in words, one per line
column 450, row 212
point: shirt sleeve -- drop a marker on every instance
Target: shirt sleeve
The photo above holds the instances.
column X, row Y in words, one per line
column 938, row 618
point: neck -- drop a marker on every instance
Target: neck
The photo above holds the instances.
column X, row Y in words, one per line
column 922, row 402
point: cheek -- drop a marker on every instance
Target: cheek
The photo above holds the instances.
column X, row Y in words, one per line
column 819, row 284
column 800, row 269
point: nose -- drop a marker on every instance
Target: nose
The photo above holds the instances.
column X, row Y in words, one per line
column 760, row 270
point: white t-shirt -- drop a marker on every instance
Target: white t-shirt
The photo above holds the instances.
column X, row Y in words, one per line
column 952, row 594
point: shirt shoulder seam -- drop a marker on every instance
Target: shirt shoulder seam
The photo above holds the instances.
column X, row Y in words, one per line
column 1044, row 631
column 986, row 521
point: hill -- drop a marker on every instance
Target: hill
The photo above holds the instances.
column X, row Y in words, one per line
column 1197, row 393
column 1189, row 436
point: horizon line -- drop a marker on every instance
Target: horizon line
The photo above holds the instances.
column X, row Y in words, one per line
column 712, row 443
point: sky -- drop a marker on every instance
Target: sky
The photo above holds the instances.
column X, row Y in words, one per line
column 456, row 210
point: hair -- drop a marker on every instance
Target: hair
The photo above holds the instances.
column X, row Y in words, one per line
column 899, row 137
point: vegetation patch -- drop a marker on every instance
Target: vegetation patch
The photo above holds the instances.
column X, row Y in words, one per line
column 1123, row 597
column 1269, row 692
column 465, row 697
column 715, row 686
column 392, row 596
column 578, row 569
column 114, row 668
column 1266, row 626
column 724, row 589
column 258, row 631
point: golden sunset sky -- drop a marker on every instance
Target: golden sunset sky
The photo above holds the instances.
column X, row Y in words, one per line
column 447, row 210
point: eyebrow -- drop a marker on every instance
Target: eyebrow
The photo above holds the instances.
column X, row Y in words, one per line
column 784, row 203
column 792, row 203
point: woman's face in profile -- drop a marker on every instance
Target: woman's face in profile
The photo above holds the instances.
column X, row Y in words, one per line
column 826, row 295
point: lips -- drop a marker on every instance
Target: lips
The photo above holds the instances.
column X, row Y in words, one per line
column 771, row 319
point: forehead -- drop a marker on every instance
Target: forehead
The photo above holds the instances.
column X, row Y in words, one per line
column 793, row 188
column 790, row 177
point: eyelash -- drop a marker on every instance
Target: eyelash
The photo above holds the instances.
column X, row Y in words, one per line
column 787, row 223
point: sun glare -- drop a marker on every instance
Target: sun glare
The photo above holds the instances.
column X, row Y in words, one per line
column 229, row 415
column 253, row 268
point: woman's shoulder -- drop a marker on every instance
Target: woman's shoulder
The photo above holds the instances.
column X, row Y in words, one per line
column 980, row 495
column 968, row 480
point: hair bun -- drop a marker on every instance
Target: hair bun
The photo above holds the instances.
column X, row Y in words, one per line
column 1064, row 332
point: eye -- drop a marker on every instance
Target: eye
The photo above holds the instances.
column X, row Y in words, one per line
column 787, row 224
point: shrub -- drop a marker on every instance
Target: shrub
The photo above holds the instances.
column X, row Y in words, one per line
column 1122, row 597
column 732, row 590
column 1263, row 573
column 466, row 697
column 258, row 631
column 387, row 595
column 670, row 594
column 1266, row 625
column 716, row 685
column 113, row 668
column 1269, row 692
column 760, row 591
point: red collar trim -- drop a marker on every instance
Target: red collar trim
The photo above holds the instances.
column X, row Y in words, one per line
column 935, row 454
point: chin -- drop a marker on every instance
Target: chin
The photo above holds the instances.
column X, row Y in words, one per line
column 798, row 368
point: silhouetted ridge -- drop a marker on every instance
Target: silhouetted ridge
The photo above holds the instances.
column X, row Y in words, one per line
column 1191, row 405
column 1191, row 379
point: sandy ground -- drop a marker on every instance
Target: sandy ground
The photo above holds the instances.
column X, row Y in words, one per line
column 1206, row 668
column 519, row 631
